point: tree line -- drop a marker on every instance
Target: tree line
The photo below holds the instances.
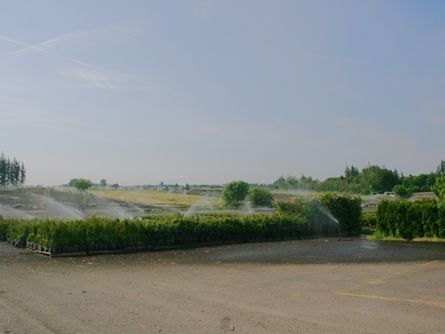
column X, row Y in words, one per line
column 371, row 179
column 12, row 172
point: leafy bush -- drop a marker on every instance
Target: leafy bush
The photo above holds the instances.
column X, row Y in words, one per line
column 439, row 187
column 234, row 193
column 81, row 184
column 402, row 191
column 369, row 219
column 441, row 224
column 324, row 213
column 295, row 206
column 409, row 220
column 15, row 231
column 346, row 209
column 261, row 197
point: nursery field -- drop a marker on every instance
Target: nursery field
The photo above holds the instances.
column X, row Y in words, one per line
column 158, row 198
column 310, row 286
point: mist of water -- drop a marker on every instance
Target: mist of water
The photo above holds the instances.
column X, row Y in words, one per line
column 53, row 208
column 328, row 213
column 112, row 209
column 137, row 208
column 201, row 206
column 247, row 209
column 7, row 211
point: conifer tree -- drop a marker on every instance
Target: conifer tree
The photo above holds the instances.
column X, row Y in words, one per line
column 12, row 172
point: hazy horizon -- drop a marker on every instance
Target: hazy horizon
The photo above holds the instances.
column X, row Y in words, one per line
column 206, row 92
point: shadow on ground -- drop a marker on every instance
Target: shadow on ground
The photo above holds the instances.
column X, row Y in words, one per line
column 315, row 251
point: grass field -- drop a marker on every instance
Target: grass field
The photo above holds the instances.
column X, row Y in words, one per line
column 157, row 198
column 185, row 200
column 376, row 237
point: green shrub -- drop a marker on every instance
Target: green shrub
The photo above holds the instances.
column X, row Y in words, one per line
column 261, row 197
column 346, row 209
column 234, row 193
column 439, row 187
column 441, row 223
column 402, row 191
column 295, row 206
column 408, row 220
column 82, row 184
column 369, row 219
column 327, row 215
column 16, row 231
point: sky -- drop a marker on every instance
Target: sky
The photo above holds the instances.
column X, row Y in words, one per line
column 201, row 91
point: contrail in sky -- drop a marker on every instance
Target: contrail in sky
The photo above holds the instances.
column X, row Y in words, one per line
column 37, row 49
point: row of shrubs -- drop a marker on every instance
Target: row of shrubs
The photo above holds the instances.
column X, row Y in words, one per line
column 103, row 233
column 327, row 215
column 408, row 220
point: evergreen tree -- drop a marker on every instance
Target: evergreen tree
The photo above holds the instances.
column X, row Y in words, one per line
column 12, row 172
column 441, row 168
column 22, row 173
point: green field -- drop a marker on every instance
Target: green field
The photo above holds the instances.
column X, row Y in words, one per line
column 157, row 198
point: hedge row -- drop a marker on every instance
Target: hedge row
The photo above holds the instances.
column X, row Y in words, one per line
column 346, row 209
column 293, row 219
column 15, row 231
column 408, row 220
column 102, row 233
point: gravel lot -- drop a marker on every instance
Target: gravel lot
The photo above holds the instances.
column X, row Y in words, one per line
column 310, row 286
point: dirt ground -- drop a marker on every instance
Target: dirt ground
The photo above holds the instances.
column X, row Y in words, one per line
column 311, row 286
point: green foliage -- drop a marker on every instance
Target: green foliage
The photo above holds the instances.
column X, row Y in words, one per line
column 318, row 221
column 102, row 233
column 439, row 187
column 289, row 182
column 82, row 184
column 346, row 209
column 372, row 179
column 402, row 191
column 12, row 172
column 261, row 197
column 288, row 207
column 351, row 173
column 410, row 220
column 369, row 219
column 418, row 183
column 15, row 231
column 292, row 182
column 296, row 206
column 234, row 193
column 379, row 179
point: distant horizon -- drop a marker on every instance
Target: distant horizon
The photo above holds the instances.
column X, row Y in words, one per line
column 154, row 184
column 205, row 92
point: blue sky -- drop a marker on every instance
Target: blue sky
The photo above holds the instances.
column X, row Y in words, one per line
column 209, row 91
